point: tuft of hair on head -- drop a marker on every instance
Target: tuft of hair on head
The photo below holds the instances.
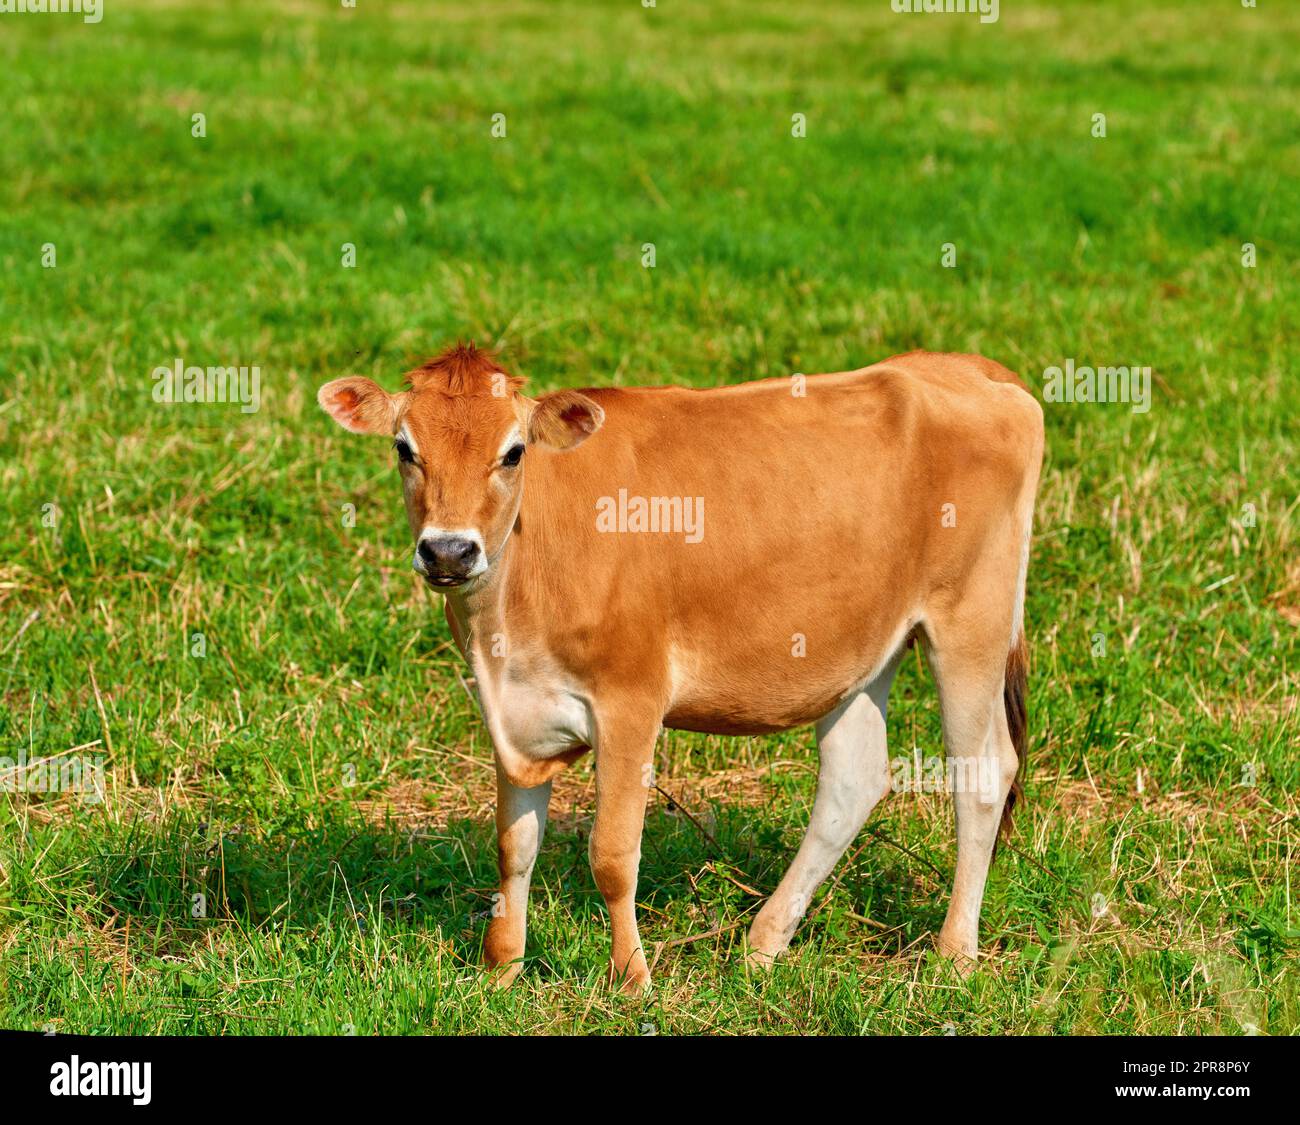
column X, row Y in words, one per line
column 464, row 369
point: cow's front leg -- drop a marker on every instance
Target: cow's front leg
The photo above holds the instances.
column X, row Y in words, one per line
column 521, row 820
column 624, row 775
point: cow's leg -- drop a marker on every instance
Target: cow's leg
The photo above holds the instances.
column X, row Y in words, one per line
column 624, row 774
column 521, row 820
column 982, row 763
column 852, row 777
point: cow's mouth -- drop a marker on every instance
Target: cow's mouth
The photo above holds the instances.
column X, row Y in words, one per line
column 445, row 580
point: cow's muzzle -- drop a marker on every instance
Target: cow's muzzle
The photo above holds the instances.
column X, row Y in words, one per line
column 447, row 560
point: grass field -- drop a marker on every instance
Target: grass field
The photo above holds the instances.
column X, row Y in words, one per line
column 275, row 695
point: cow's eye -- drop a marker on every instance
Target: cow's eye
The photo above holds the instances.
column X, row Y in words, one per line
column 403, row 451
column 512, row 457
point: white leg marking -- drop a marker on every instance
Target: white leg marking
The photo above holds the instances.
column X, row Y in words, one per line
column 852, row 778
column 975, row 727
column 521, row 820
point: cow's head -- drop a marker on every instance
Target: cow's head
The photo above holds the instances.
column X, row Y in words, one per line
column 461, row 431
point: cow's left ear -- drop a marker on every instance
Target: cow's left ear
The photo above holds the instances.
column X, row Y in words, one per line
column 564, row 419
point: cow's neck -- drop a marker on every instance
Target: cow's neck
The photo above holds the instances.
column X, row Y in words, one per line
column 521, row 720
column 478, row 619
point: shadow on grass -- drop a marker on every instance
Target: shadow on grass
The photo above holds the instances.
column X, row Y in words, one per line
column 173, row 881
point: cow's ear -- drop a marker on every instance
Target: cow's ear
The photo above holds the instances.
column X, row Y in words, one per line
column 564, row 419
column 360, row 405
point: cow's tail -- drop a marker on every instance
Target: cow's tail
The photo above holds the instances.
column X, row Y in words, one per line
column 1014, row 688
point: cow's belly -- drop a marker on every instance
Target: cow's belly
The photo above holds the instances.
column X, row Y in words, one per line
column 714, row 709
column 781, row 678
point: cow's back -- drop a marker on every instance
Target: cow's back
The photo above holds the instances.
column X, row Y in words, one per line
column 830, row 509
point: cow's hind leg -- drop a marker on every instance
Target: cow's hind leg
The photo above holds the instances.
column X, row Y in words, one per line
column 982, row 766
column 852, row 777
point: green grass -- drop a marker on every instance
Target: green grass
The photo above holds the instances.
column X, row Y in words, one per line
column 335, row 907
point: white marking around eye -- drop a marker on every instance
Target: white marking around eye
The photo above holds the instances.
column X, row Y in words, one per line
column 515, row 437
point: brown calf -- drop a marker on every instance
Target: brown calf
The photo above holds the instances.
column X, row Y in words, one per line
column 738, row 560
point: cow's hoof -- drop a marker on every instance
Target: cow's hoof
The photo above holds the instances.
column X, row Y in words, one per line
column 635, row 981
column 635, row 986
column 964, row 959
column 765, row 942
column 503, row 976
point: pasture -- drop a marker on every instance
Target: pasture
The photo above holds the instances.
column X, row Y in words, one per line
column 213, row 609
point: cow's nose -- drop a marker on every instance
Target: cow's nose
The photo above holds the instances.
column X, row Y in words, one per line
column 447, row 559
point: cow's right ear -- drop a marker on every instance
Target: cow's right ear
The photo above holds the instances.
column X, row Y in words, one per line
column 360, row 405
